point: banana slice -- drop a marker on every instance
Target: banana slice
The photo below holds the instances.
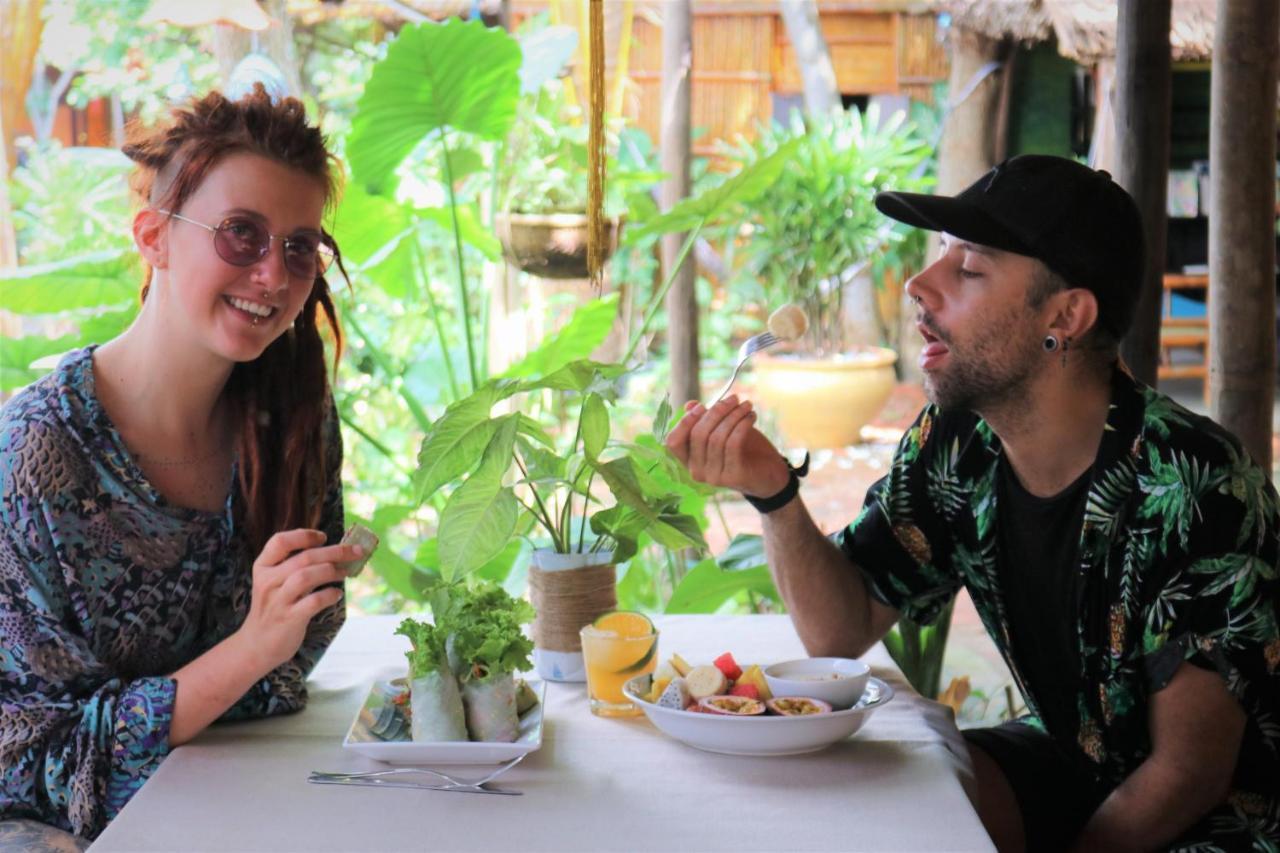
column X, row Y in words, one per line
column 704, row 681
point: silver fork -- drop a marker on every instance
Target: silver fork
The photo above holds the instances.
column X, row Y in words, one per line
column 750, row 347
column 419, row 786
column 404, row 771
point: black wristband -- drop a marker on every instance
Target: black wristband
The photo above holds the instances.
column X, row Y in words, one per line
column 789, row 491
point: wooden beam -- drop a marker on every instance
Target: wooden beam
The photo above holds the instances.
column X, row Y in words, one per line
column 674, row 136
column 1143, row 82
column 1242, row 249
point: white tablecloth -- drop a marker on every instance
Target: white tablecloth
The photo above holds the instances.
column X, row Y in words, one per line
column 596, row 784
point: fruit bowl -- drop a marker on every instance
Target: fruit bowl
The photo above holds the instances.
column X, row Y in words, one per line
column 759, row 735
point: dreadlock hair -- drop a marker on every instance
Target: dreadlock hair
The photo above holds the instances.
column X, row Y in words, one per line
column 280, row 399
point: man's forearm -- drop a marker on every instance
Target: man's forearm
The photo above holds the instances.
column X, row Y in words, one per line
column 824, row 592
column 1149, row 809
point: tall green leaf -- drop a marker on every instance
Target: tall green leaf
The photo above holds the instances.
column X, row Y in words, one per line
column 595, row 426
column 580, row 375
column 580, row 337
column 705, row 208
column 460, row 75
column 707, row 587
column 456, row 441
column 87, row 281
column 481, row 514
column 620, row 476
column 17, row 355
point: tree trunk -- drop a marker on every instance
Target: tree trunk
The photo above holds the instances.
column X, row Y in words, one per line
column 1142, row 129
column 682, row 299
column 813, row 58
column 20, row 27
column 965, row 152
column 1242, row 250
column 232, row 44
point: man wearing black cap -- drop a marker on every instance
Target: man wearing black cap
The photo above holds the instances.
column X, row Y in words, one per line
column 1121, row 551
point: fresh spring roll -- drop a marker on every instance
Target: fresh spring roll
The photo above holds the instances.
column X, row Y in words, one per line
column 436, row 710
column 435, row 705
column 491, row 708
column 486, row 647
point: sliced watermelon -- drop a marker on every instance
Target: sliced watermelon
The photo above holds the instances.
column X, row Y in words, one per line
column 726, row 664
column 750, row 691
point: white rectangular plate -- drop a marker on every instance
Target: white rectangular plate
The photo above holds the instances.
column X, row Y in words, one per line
column 362, row 740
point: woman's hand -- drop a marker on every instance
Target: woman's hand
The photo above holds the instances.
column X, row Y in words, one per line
column 287, row 592
column 721, row 447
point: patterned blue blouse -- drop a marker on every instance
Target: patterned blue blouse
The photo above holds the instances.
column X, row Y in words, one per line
column 105, row 589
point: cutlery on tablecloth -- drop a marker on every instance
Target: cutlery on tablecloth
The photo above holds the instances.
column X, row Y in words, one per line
column 386, row 783
column 408, row 771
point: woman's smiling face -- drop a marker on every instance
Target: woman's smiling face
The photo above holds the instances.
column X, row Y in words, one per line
column 234, row 311
column 982, row 337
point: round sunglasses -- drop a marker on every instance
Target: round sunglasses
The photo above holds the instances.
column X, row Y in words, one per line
column 242, row 242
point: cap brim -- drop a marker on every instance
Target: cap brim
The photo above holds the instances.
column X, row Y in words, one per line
column 955, row 216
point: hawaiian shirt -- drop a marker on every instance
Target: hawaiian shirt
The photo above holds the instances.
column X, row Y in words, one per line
column 105, row 589
column 1177, row 561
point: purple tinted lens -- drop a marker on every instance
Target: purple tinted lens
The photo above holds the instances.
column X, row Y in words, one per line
column 241, row 242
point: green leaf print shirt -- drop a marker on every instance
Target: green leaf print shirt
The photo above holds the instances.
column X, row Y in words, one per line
column 1178, row 556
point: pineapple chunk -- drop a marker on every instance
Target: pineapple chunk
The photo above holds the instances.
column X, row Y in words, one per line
column 754, row 676
column 659, row 685
column 680, row 665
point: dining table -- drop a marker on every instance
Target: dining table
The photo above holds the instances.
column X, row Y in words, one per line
column 901, row 782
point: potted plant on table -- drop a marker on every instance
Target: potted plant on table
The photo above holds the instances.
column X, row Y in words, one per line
column 519, row 476
column 812, row 232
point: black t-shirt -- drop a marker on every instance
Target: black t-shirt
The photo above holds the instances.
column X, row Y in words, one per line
column 1039, row 549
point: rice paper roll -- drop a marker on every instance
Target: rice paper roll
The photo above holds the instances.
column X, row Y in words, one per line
column 491, row 708
column 436, row 710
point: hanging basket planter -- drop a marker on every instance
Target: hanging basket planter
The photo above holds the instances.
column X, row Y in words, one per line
column 551, row 245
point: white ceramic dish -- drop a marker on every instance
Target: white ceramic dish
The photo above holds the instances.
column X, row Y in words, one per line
column 764, row 735
column 401, row 750
column 837, row 681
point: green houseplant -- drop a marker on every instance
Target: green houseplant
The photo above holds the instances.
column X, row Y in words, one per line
column 591, row 497
column 811, row 232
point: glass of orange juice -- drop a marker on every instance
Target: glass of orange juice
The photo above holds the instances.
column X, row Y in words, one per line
column 616, row 648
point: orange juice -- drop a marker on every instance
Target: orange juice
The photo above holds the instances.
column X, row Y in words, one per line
column 616, row 648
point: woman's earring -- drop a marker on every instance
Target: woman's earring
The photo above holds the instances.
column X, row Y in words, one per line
column 1050, row 343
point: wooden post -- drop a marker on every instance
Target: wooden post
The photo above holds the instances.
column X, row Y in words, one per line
column 682, row 299
column 1242, row 250
column 965, row 152
column 232, row 44
column 813, row 57
column 1142, row 130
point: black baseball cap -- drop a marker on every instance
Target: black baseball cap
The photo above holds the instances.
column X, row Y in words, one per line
column 1078, row 221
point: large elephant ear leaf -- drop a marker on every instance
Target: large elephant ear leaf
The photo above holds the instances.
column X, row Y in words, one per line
column 459, row 75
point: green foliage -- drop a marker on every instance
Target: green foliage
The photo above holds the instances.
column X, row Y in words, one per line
column 148, row 66
column 557, row 476
column 918, row 650
column 69, row 201
column 816, row 219
column 458, row 75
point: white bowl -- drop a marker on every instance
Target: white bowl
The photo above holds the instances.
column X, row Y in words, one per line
column 762, row 735
column 839, row 681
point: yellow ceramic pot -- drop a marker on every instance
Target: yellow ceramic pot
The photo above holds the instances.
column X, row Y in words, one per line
column 825, row 402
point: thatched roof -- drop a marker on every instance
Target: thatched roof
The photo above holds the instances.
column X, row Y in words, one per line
column 1084, row 29
column 393, row 12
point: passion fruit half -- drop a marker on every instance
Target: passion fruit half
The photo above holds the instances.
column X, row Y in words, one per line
column 731, row 706
column 798, row 706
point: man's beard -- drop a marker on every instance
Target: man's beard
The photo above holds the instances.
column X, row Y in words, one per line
column 992, row 371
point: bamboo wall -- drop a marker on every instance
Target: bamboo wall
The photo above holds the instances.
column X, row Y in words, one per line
column 742, row 58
